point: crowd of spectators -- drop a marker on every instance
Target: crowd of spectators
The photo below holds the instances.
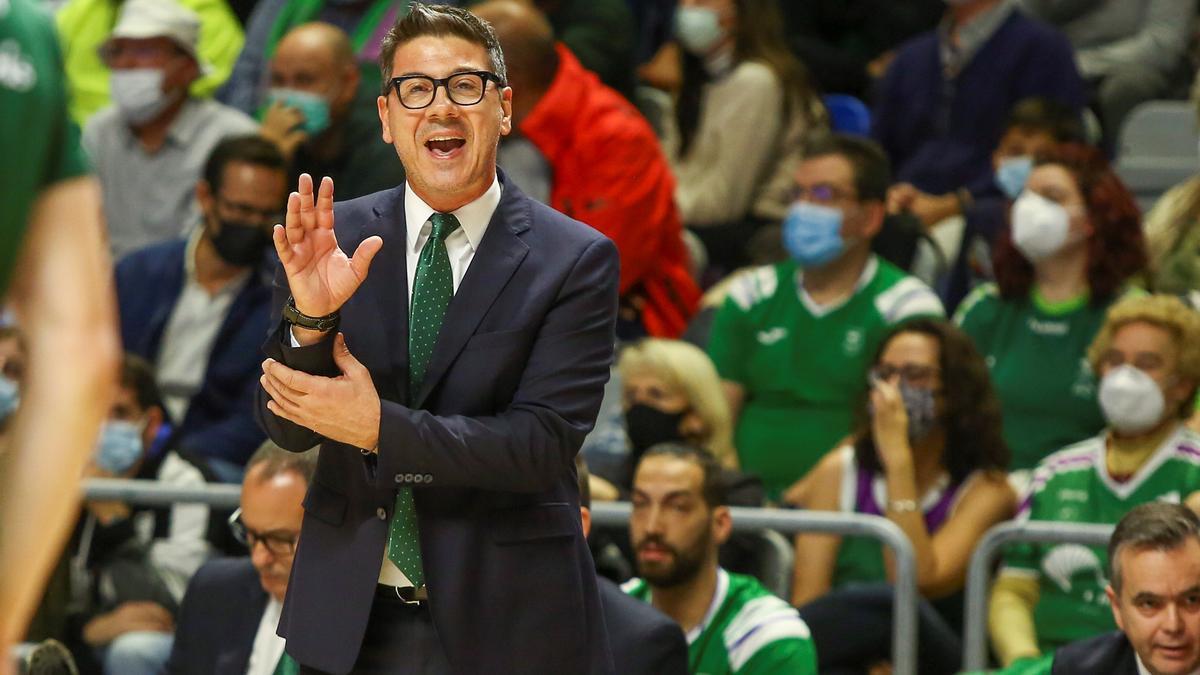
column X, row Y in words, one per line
column 951, row 315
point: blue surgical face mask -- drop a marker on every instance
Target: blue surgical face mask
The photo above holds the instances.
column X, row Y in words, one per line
column 1012, row 174
column 10, row 396
column 812, row 234
column 697, row 28
column 314, row 108
column 119, row 447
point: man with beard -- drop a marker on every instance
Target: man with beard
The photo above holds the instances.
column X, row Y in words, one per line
column 733, row 624
column 198, row 306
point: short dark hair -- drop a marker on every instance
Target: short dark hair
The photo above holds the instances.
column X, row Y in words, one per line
column 712, row 485
column 249, row 149
column 1155, row 525
column 275, row 460
column 138, row 375
column 872, row 171
column 582, row 474
column 440, row 21
column 1046, row 115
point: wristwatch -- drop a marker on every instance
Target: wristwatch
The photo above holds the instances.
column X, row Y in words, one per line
column 317, row 323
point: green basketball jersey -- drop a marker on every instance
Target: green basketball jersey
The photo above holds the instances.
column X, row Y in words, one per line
column 802, row 365
column 1074, row 486
column 40, row 144
column 746, row 631
column 1037, row 354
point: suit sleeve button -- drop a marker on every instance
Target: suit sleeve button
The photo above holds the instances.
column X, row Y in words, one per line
column 399, row 478
column 381, row 512
column 428, row 478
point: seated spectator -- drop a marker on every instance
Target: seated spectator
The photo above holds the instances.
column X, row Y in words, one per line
column 606, row 168
column 319, row 120
column 198, row 306
column 228, row 617
column 149, row 146
column 734, row 626
column 928, row 455
column 602, row 34
column 1127, row 52
column 129, row 564
column 1172, row 235
column 84, row 26
column 1033, row 127
column 1154, row 584
column 642, row 639
column 1075, row 239
column 1147, row 355
column 744, row 103
column 941, row 107
column 793, row 341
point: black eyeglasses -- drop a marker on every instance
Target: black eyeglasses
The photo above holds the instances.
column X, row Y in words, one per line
column 280, row 544
column 467, row 88
column 911, row 373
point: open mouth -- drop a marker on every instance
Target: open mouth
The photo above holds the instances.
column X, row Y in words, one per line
column 443, row 147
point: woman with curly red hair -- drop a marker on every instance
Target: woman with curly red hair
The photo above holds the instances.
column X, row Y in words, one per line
column 1074, row 239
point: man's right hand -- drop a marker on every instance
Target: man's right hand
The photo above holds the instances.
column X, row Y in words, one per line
column 320, row 276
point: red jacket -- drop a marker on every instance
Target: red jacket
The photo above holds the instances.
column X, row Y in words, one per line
column 610, row 173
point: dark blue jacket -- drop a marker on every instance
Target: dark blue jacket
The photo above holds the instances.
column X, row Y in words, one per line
column 1109, row 653
column 220, row 420
column 217, row 623
column 488, row 446
column 940, row 135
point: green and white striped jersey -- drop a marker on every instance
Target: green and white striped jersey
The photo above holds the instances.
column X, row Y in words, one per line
column 746, row 631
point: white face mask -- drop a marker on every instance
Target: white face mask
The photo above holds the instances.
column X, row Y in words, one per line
column 1039, row 226
column 138, row 93
column 1131, row 400
column 698, row 29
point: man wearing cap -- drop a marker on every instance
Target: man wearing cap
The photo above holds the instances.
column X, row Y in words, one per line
column 149, row 146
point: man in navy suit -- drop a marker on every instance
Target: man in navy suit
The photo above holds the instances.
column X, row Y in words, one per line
column 226, row 623
column 450, row 389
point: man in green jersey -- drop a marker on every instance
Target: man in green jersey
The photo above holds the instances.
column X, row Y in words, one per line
column 734, row 625
column 52, row 250
column 793, row 340
column 1147, row 355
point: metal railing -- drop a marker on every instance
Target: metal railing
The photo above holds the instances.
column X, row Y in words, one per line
column 979, row 574
column 904, row 604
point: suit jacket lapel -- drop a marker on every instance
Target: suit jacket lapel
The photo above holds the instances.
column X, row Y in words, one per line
column 495, row 261
column 388, row 280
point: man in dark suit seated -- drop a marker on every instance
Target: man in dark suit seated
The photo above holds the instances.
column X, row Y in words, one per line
column 643, row 640
column 226, row 625
column 1154, row 589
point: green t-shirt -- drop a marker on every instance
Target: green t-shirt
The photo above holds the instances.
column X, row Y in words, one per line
column 1037, row 354
column 803, row 366
column 39, row 145
column 1074, row 486
column 746, row 631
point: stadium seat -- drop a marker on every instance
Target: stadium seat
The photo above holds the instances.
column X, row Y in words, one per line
column 768, row 556
column 847, row 114
column 1158, row 149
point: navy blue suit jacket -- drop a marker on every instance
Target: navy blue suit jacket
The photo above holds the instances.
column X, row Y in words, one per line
column 644, row 641
column 219, row 617
column 220, row 420
column 488, row 445
column 1109, row 653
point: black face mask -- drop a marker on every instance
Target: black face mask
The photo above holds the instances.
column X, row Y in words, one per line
column 648, row 426
column 241, row 244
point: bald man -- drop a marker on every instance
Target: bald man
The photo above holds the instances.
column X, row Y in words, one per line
column 605, row 167
column 322, row 116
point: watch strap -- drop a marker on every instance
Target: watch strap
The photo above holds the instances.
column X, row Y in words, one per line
column 318, row 323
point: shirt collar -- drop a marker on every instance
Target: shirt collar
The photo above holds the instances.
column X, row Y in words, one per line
column 188, row 123
column 473, row 216
column 971, row 36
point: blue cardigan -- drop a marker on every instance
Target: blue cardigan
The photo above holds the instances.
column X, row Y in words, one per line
column 220, row 420
column 939, row 153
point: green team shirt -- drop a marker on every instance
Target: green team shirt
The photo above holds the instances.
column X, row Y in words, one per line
column 39, row 145
column 746, row 631
column 802, row 365
column 1074, row 486
column 1037, row 354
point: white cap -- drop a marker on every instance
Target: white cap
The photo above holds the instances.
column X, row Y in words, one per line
column 160, row 18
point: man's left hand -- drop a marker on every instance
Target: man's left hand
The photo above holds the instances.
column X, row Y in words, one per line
column 343, row 408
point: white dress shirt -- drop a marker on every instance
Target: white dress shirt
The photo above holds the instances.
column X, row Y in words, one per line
column 268, row 647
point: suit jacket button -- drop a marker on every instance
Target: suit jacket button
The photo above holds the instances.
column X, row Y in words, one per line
column 428, row 478
column 381, row 512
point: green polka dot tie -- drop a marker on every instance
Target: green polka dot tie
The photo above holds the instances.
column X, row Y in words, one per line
column 433, row 286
